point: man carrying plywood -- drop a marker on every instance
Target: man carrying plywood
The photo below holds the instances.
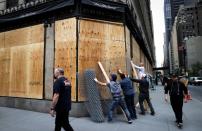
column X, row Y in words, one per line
column 116, row 91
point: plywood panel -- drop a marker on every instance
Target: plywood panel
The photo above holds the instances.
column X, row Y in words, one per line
column 18, row 37
column 35, row 70
column 116, row 32
column 65, row 49
column 99, row 41
column 2, row 40
column 4, row 71
column 92, row 29
column 24, row 36
column 128, row 50
column 136, row 51
column 26, row 71
column 37, row 34
column 22, row 61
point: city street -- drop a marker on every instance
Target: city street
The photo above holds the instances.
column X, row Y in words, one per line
column 196, row 92
column 21, row 120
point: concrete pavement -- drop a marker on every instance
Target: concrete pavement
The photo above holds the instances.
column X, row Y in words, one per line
column 21, row 120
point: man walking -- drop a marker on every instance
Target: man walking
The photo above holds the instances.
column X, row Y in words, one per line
column 129, row 94
column 61, row 103
column 144, row 94
column 117, row 100
column 176, row 90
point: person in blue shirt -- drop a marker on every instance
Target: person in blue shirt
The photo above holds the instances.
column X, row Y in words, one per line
column 129, row 94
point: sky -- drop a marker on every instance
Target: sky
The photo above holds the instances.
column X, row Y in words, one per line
column 159, row 29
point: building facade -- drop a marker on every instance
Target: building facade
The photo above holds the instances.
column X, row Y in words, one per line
column 171, row 9
column 189, row 25
column 194, row 47
column 38, row 35
column 168, row 26
column 174, row 59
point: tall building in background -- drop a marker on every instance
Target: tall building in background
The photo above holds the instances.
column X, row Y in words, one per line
column 171, row 8
column 168, row 25
column 189, row 25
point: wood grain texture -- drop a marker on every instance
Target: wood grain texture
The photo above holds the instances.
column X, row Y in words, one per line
column 26, row 71
column 2, row 40
column 65, row 49
column 22, row 62
column 136, row 51
column 99, row 41
column 4, row 71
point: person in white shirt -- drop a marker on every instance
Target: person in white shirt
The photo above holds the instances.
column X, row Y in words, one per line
column 140, row 69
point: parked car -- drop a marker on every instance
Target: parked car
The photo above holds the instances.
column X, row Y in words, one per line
column 195, row 80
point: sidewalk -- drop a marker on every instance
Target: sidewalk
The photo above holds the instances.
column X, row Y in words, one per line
column 20, row 120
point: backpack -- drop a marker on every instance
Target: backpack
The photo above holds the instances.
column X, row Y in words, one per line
column 115, row 88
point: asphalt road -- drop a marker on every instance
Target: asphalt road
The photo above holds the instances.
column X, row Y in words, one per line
column 196, row 92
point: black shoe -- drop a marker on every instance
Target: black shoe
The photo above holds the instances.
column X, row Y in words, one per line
column 142, row 113
column 152, row 113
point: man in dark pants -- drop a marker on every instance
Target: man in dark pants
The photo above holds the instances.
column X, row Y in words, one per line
column 176, row 90
column 129, row 94
column 61, row 103
column 144, row 94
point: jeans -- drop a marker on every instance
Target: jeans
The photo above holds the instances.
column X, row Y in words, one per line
column 118, row 102
column 143, row 97
column 131, row 105
column 62, row 120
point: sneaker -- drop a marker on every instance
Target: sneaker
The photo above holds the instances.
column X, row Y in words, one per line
column 179, row 125
column 130, row 121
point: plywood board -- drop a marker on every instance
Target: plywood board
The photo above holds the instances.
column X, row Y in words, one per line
column 136, row 51
column 2, row 40
column 18, row 37
column 4, row 71
column 65, row 49
column 22, row 61
column 24, row 36
column 99, row 41
column 26, row 71
column 37, row 34
column 128, row 50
